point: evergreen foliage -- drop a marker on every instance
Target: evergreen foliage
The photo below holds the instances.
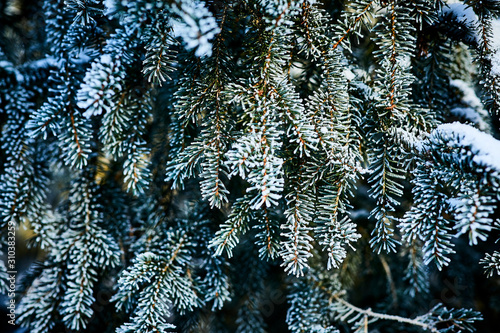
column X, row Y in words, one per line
column 203, row 162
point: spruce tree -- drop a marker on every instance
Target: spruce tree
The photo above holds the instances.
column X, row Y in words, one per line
column 252, row 165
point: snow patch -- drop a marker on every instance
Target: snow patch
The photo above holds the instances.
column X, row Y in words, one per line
column 81, row 58
column 348, row 74
column 404, row 62
column 196, row 27
column 44, row 63
column 467, row 113
column 110, row 7
column 454, row 203
column 495, row 45
column 485, row 148
column 473, row 109
column 470, row 98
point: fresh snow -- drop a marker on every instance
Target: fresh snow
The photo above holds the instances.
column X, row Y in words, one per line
column 470, row 98
column 466, row 15
column 495, row 46
column 485, row 148
column 348, row 74
column 473, row 109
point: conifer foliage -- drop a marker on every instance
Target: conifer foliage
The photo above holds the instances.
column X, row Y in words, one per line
column 190, row 159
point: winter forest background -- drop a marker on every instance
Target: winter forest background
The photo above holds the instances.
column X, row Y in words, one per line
column 250, row 166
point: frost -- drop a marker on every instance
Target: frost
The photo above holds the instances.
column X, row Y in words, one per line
column 409, row 138
column 81, row 58
column 110, row 7
column 33, row 65
column 472, row 214
column 277, row 12
column 100, row 85
column 196, row 27
column 44, row 63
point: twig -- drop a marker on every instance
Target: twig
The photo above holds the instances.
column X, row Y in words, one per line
column 368, row 312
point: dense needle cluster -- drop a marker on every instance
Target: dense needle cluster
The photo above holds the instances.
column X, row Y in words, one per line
column 190, row 159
